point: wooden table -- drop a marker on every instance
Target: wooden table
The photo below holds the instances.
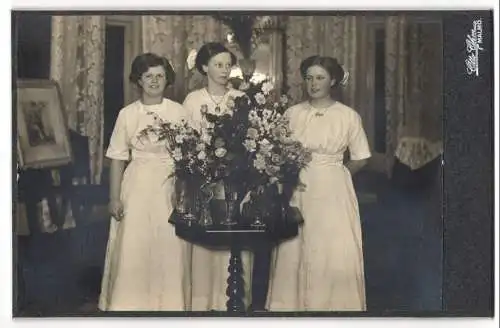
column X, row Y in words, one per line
column 235, row 238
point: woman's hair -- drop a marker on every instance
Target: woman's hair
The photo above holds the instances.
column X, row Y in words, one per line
column 209, row 50
column 330, row 64
column 143, row 62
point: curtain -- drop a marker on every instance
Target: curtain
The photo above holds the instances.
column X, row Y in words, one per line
column 413, row 91
column 395, row 83
column 174, row 36
column 334, row 36
column 413, row 76
column 77, row 64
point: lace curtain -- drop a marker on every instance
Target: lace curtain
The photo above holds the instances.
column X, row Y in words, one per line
column 413, row 91
column 334, row 36
column 413, row 76
column 77, row 64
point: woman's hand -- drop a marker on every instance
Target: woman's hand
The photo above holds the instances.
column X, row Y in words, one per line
column 116, row 209
column 115, row 206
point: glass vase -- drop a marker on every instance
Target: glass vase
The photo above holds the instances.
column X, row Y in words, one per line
column 186, row 200
column 231, row 199
column 205, row 196
column 259, row 205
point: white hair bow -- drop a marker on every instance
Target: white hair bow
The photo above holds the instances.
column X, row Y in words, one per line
column 191, row 59
column 344, row 80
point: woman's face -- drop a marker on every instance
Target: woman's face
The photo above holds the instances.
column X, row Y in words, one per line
column 153, row 81
column 318, row 82
column 219, row 67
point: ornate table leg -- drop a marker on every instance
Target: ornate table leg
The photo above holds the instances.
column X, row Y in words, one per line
column 235, row 283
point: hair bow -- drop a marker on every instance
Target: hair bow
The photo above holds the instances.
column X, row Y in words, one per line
column 345, row 78
column 191, row 59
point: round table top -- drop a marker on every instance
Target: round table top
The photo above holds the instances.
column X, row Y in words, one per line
column 225, row 236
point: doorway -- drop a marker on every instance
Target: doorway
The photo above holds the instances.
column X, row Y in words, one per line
column 122, row 45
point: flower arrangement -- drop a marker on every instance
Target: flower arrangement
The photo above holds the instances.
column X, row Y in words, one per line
column 201, row 160
column 187, row 146
column 250, row 149
column 273, row 157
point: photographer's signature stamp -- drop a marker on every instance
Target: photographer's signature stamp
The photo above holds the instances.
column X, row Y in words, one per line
column 473, row 43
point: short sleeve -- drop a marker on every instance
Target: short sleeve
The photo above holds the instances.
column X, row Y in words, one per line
column 119, row 143
column 358, row 142
column 193, row 114
column 290, row 114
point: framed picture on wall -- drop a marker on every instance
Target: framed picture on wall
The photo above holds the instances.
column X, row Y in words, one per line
column 42, row 132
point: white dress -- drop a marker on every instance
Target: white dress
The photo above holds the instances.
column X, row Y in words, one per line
column 147, row 266
column 322, row 268
column 209, row 266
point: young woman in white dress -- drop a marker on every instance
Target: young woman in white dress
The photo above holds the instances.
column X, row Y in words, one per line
column 322, row 268
column 147, row 266
column 209, row 266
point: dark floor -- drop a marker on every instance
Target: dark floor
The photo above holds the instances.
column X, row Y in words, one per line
column 402, row 246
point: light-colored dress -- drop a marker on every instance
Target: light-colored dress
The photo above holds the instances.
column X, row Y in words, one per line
column 209, row 266
column 147, row 266
column 322, row 268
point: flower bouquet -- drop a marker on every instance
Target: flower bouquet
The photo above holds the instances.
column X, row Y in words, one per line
column 228, row 132
column 197, row 161
column 245, row 160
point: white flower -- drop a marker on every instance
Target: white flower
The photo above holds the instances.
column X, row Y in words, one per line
column 266, row 113
column 206, row 138
column 230, row 103
column 250, row 145
column 200, row 147
column 191, row 59
column 260, row 98
column 202, row 155
column 220, row 152
column 259, row 162
column 179, row 138
column 252, row 133
column 267, row 87
column 244, row 86
column 265, row 146
column 177, row 154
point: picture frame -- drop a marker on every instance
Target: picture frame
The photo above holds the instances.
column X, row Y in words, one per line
column 42, row 131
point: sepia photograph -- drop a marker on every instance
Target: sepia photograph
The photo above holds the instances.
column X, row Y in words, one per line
column 37, row 131
column 225, row 162
column 42, row 136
